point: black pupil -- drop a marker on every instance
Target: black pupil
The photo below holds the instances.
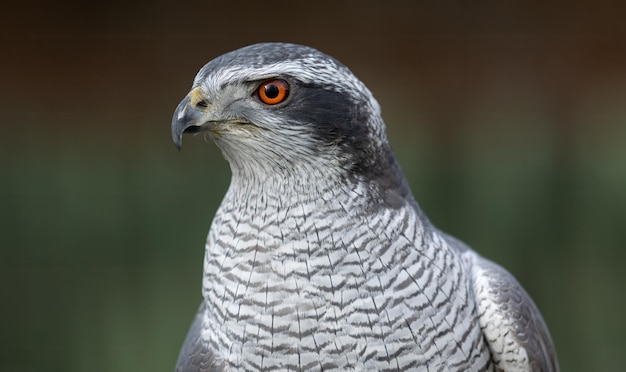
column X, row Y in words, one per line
column 271, row 91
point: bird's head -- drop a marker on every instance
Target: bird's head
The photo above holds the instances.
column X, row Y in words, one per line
column 276, row 108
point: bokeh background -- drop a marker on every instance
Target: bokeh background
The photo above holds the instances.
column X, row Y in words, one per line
column 509, row 121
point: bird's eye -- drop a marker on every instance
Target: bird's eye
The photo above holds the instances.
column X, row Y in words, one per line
column 273, row 92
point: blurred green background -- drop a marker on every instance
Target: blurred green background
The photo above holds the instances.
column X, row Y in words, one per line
column 509, row 121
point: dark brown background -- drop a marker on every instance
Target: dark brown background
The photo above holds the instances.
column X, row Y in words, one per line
column 508, row 119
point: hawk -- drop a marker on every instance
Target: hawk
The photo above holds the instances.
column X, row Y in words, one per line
column 318, row 257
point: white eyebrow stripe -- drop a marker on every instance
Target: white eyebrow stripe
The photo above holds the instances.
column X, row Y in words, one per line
column 319, row 71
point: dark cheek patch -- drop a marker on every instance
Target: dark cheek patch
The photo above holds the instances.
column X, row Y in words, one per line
column 334, row 118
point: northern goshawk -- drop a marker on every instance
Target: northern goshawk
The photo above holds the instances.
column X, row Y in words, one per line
column 318, row 257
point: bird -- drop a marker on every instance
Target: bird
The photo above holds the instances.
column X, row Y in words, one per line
column 319, row 257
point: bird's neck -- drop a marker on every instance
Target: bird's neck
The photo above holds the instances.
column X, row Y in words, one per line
column 285, row 187
column 274, row 212
column 371, row 179
column 277, row 208
column 294, row 195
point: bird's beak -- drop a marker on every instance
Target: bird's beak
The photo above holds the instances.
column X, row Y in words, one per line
column 187, row 118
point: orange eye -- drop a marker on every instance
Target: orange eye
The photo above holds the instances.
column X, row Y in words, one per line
column 273, row 92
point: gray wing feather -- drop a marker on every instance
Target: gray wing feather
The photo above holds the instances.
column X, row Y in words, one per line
column 513, row 327
column 517, row 335
column 195, row 355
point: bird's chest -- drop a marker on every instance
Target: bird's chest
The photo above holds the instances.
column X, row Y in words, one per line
column 294, row 312
column 296, row 293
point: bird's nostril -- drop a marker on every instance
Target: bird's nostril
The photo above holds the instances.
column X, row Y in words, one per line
column 203, row 104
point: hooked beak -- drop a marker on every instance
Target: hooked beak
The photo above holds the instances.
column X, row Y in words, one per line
column 195, row 114
column 187, row 118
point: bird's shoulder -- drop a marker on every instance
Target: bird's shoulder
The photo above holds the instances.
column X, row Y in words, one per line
column 517, row 335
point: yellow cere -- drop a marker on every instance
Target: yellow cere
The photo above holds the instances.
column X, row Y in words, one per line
column 195, row 96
